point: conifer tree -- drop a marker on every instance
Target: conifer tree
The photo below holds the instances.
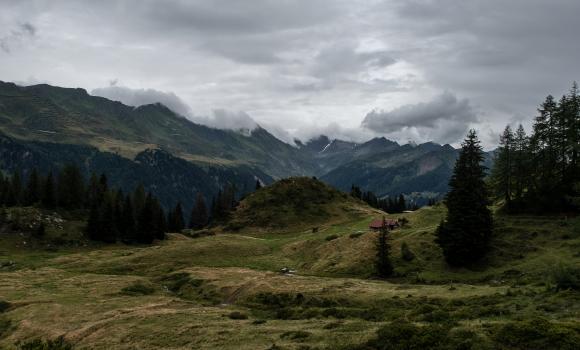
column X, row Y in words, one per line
column 383, row 265
column 14, row 191
column 128, row 224
column 93, row 229
column 146, row 229
column 199, row 217
column 71, row 191
column 521, row 162
column 175, row 220
column 501, row 176
column 48, row 192
column 107, row 219
column 160, row 224
column 465, row 233
column 139, row 197
column 258, row 185
column 32, row 192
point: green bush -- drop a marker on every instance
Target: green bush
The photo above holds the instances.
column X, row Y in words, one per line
column 236, row 315
column 536, row 333
column 5, row 326
column 295, row 335
column 38, row 344
column 356, row 234
column 402, row 335
column 4, row 305
column 138, row 289
column 565, row 277
column 331, row 237
column 406, row 253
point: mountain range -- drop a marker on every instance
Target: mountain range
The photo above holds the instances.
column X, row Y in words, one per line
column 47, row 126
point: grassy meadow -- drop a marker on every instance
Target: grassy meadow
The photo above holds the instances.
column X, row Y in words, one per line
column 225, row 290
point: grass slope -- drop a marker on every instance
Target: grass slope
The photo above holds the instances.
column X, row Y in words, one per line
column 296, row 203
column 224, row 291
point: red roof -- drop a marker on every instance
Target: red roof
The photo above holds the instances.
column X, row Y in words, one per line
column 379, row 223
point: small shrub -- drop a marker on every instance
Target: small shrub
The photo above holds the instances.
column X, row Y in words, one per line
column 406, row 253
column 4, row 305
column 40, row 230
column 257, row 322
column 536, row 333
column 331, row 237
column 5, row 326
column 332, row 325
column 38, row 344
column 565, row 277
column 236, row 315
column 295, row 335
column 138, row 289
column 355, row 234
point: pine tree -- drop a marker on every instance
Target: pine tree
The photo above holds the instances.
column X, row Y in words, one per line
column 175, row 220
column 128, row 224
column 160, row 225
column 71, row 191
column 402, row 205
column 139, row 197
column 48, row 192
column 502, row 173
column 465, row 233
column 32, row 192
column 383, row 265
column 146, row 226
column 258, row 185
column 199, row 217
column 107, row 219
column 93, row 228
column 14, row 191
column 521, row 162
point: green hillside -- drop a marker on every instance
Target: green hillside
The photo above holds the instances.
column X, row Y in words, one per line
column 72, row 116
column 225, row 290
column 297, row 202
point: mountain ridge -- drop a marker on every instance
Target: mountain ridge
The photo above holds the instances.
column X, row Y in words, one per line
column 50, row 114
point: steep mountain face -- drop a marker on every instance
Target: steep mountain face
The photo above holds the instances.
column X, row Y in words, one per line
column 170, row 178
column 59, row 125
column 72, row 116
column 403, row 169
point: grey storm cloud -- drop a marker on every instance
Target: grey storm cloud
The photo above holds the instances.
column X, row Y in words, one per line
column 445, row 119
column 444, row 107
column 16, row 35
column 316, row 63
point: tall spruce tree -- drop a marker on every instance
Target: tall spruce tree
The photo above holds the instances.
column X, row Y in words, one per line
column 383, row 265
column 48, row 192
column 128, row 224
column 502, row 173
column 199, row 215
column 14, row 191
column 465, row 233
column 32, row 192
column 175, row 220
column 71, row 192
column 146, row 226
column 521, row 163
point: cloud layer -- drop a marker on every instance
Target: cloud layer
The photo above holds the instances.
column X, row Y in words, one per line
column 445, row 118
column 307, row 65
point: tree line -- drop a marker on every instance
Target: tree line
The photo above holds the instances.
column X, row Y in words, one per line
column 112, row 215
column 396, row 204
column 540, row 172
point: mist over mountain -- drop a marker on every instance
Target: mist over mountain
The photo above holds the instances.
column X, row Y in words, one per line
column 46, row 116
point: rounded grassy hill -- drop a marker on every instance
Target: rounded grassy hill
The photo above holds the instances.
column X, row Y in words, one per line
column 296, row 202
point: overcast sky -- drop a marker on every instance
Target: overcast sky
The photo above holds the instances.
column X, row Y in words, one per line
column 353, row 69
